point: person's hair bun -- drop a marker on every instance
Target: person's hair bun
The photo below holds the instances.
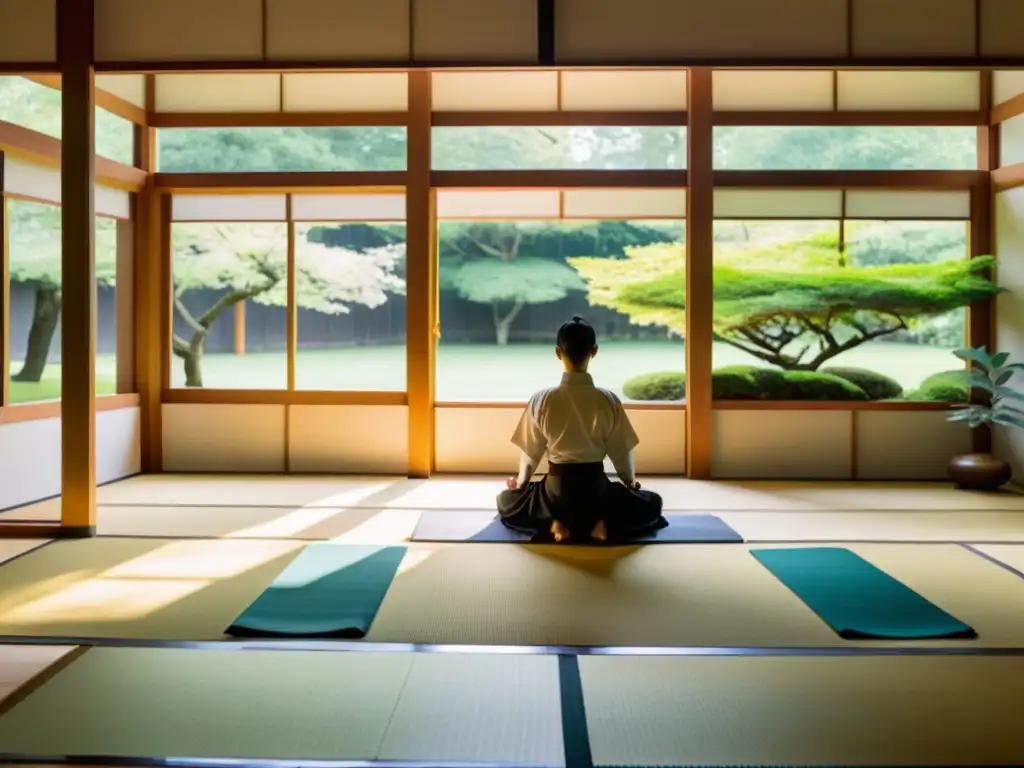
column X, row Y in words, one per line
column 577, row 319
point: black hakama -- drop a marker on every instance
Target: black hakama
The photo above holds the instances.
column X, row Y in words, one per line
column 579, row 495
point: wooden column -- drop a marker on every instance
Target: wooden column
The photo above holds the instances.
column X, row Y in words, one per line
column 240, row 328
column 421, row 281
column 149, row 326
column 699, row 278
column 78, row 327
column 980, row 316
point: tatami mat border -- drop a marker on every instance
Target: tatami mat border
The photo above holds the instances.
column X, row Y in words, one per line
column 986, row 556
column 203, row 762
column 357, row 646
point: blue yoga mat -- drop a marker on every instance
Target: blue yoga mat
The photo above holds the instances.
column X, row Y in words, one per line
column 329, row 590
column 486, row 527
column 856, row 599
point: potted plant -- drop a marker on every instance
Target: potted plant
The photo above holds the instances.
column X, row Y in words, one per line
column 994, row 403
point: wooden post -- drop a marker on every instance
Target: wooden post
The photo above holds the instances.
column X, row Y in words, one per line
column 149, row 326
column 78, row 330
column 700, row 217
column 421, row 280
column 980, row 316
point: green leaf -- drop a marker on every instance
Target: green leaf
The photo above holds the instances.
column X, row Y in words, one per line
column 999, row 359
column 968, row 414
column 1010, row 420
column 1007, row 393
column 977, row 356
column 1002, row 376
column 981, row 381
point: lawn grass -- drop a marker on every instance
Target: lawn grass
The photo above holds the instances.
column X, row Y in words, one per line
column 49, row 387
column 486, row 372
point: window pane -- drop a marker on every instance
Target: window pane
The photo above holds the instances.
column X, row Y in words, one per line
column 106, row 306
column 230, row 294
column 558, row 148
column 350, row 290
column 884, row 315
column 221, row 150
column 38, row 108
column 115, row 137
column 823, row 148
column 35, row 275
column 507, row 286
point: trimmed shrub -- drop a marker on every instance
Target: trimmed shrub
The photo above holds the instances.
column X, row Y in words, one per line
column 813, row 385
column 748, row 382
column 876, row 386
column 944, row 387
column 663, row 385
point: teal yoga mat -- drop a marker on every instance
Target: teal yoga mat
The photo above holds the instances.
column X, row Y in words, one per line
column 329, row 590
column 856, row 599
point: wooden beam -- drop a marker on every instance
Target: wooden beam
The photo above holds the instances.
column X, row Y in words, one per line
column 870, row 119
column 275, row 119
column 148, row 302
column 283, row 181
column 421, row 280
column 78, row 268
column 103, row 99
column 51, row 409
column 700, row 216
column 556, row 179
column 1000, row 113
column 849, row 179
column 1008, row 177
column 283, row 397
column 40, row 148
column 557, row 118
column 912, row 63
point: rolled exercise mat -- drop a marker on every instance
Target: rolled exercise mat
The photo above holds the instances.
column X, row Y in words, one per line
column 485, row 527
column 329, row 590
column 856, row 599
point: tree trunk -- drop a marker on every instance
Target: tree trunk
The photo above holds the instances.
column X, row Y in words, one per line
column 192, row 357
column 503, row 325
column 45, row 316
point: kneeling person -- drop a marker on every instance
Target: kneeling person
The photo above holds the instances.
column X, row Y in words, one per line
column 577, row 425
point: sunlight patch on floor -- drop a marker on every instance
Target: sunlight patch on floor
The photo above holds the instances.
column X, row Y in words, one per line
column 149, row 583
column 389, row 526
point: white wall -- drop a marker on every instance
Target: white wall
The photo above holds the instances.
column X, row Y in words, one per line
column 30, row 460
column 834, row 445
column 1009, row 246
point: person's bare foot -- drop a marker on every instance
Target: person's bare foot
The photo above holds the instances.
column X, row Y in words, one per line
column 600, row 532
column 559, row 531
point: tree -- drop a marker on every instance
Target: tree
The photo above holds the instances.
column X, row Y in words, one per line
column 248, row 261
column 493, row 271
column 796, row 319
column 36, row 261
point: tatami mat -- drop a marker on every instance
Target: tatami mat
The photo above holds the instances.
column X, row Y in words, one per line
column 715, row 711
column 137, row 588
column 295, row 705
column 12, row 548
column 679, row 494
column 867, row 525
column 21, row 663
column 689, row 595
column 694, row 595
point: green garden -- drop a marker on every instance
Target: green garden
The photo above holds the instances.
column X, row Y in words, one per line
column 802, row 310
